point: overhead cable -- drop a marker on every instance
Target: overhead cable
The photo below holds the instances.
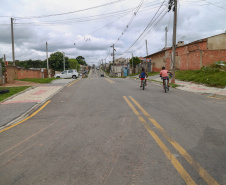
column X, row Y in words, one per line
column 51, row 15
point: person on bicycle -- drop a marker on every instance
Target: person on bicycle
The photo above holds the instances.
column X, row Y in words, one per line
column 142, row 76
column 164, row 74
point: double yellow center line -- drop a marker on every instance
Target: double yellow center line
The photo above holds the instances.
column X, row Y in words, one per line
column 112, row 82
column 187, row 178
column 73, row 82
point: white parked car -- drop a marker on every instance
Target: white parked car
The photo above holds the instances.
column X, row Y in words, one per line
column 72, row 73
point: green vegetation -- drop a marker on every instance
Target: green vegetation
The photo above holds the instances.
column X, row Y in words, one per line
column 211, row 76
column 73, row 63
column 38, row 80
column 56, row 61
column 12, row 91
column 135, row 74
column 3, row 65
column 81, row 60
column 152, row 73
column 31, row 64
column 171, row 85
column 149, row 74
column 135, row 61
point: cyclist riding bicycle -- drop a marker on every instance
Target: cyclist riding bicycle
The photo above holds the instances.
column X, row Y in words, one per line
column 142, row 77
column 164, row 74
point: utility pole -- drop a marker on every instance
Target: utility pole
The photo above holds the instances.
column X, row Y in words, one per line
column 12, row 37
column 174, row 36
column 147, row 55
column 132, row 63
column 113, row 54
column 4, row 59
column 64, row 60
column 47, row 60
column 147, row 47
column 166, row 37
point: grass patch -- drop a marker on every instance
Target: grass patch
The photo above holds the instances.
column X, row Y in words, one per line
column 149, row 74
column 135, row 74
column 12, row 91
column 38, row 80
column 152, row 73
column 210, row 76
column 171, row 85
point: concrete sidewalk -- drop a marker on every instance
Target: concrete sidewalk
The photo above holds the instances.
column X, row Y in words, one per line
column 195, row 88
column 21, row 105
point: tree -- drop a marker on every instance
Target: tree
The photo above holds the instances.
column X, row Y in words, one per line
column 3, row 65
column 56, row 61
column 73, row 63
column 81, row 60
column 31, row 64
column 136, row 61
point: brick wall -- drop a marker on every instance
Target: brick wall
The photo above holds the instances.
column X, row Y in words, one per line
column 212, row 56
column 14, row 73
column 192, row 56
column 24, row 73
column 11, row 74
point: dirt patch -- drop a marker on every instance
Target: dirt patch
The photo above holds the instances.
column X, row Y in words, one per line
column 17, row 83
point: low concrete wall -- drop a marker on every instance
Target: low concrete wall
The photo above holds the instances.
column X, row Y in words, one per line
column 15, row 73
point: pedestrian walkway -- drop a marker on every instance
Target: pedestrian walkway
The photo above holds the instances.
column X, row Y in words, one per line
column 19, row 106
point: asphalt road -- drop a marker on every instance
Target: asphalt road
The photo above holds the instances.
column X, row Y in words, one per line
column 109, row 131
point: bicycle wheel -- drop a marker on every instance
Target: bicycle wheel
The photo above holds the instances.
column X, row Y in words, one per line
column 143, row 84
column 165, row 85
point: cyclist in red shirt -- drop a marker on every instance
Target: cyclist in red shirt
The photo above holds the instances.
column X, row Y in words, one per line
column 164, row 73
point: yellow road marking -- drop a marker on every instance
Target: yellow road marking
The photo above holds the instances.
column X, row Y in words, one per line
column 73, row 82
column 215, row 98
column 109, row 80
column 42, row 107
column 187, row 178
column 202, row 172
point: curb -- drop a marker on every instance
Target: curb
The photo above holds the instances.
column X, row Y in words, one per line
column 31, row 110
column 214, row 95
column 33, row 87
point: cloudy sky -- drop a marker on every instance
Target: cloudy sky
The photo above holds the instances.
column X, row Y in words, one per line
column 89, row 27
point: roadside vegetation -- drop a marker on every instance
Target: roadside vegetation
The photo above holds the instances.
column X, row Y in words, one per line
column 38, row 80
column 12, row 91
column 214, row 75
column 171, row 85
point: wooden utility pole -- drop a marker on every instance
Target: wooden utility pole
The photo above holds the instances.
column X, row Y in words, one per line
column 166, row 37
column 174, row 40
column 113, row 54
column 147, row 55
column 47, row 60
column 132, row 63
column 64, row 60
column 12, row 37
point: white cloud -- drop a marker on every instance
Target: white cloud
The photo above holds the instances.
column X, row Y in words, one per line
column 194, row 22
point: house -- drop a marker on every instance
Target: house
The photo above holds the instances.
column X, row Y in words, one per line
column 120, row 61
column 191, row 56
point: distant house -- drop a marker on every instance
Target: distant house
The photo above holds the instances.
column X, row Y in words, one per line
column 191, row 56
column 120, row 61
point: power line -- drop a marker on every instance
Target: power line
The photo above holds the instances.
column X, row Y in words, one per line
column 89, row 18
column 51, row 15
column 135, row 13
column 148, row 26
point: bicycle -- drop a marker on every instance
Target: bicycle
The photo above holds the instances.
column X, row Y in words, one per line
column 143, row 84
column 165, row 86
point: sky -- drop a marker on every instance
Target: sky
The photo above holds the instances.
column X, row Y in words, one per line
column 89, row 28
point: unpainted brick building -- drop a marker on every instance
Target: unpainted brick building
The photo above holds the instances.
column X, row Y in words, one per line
column 192, row 56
